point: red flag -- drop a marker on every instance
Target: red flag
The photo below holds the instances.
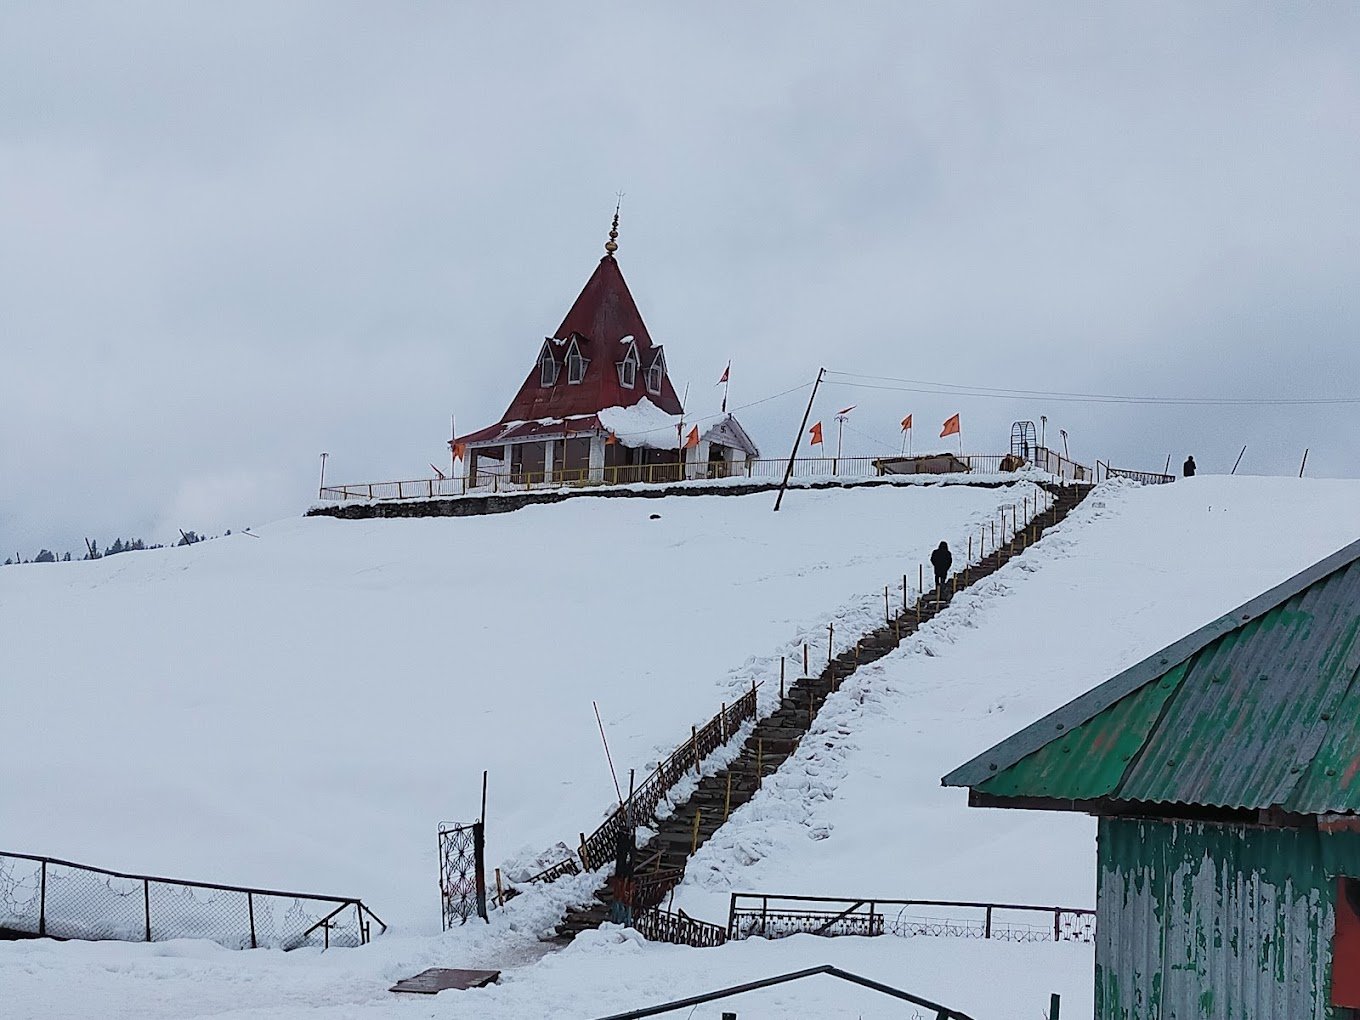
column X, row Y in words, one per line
column 906, row 423
column 816, row 431
column 726, row 373
column 610, row 439
column 846, row 410
column 951, row 427
column 458, row 450
column 693, row 438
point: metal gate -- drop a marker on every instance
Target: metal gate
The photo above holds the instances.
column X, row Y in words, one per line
column 462, row 872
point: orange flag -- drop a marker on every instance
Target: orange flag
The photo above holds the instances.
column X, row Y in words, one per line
column 951, row 427
column 610, row 439
column 458, row 450
column 816, row 431
column 693, row 438
column 906, row 423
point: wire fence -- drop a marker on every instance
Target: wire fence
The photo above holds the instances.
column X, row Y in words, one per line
column 45, row 897
column 766, row 470
column 773, row 916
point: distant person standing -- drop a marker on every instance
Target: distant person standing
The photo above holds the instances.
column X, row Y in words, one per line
column 941, row 559
column 1189, row 468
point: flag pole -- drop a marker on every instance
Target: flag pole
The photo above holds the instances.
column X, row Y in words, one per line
column 727, row 381
column 788, row 470
column 453, row 438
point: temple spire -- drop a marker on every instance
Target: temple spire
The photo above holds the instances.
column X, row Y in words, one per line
column 612, row 245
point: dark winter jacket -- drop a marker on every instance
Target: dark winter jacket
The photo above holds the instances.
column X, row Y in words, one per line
column 1189, row 468
column 942, row 559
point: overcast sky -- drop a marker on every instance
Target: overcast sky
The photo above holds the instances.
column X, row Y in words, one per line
column 237, row 235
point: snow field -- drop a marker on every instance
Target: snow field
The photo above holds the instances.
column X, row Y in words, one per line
column 297, row 709
column 859, row 811
column 1131, row 570
column 601, row 973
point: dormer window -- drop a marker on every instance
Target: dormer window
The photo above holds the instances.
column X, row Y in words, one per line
column 628, row 368
column 656, row 372
column 576, row 364
column 547, row 367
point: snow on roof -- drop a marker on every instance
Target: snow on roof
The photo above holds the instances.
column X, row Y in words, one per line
column 642, row 424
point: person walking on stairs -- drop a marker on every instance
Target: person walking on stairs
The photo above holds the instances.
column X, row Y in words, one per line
column 941, row 559
column 622, row 884
column 1189, row 469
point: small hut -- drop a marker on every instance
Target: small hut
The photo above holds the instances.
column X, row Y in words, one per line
column 922, row 464
column 1225, row 774
column 598, row 405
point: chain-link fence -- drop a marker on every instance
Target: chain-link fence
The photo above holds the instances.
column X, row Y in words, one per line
column 42, row 896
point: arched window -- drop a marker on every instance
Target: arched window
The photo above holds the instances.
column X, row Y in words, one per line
column 628, row 368
column 656, row 372
column 576, row 364
column 547, row 367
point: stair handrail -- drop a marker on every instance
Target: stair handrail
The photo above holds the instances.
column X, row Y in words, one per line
column 598, row 849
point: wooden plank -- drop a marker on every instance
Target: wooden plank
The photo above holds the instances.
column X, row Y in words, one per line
column 438, row 979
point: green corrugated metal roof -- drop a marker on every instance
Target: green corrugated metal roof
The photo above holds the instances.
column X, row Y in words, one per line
column 1088, row 762
column 1258, row 710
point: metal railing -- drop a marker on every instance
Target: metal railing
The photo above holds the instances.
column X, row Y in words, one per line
column 1056, row 463
column 772, row 917
column 678, row 928
column 694, row 1001
column 1142, row 477
column 598, row 849
column 43, row 897
column 768, row 470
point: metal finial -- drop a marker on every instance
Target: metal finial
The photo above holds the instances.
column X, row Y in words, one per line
column 611, row 246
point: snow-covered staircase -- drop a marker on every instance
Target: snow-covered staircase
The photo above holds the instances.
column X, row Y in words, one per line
column 777, row 736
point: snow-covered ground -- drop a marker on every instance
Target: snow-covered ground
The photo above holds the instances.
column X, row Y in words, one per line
column 861, row 812
column 299, row 708
column 1131, row 570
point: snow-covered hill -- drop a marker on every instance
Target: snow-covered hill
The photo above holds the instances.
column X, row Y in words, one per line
column 299, row 708
column 1131, row 570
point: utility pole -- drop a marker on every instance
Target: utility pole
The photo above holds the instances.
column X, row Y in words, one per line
column 788, row 470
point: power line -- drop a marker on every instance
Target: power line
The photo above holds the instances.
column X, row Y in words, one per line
column 710, row 417
column 997, row 393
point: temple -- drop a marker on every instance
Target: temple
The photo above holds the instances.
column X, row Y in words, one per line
column 598, row 406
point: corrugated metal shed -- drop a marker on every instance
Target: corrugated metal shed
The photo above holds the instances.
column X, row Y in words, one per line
column 1258, row 710
column 1211, row 921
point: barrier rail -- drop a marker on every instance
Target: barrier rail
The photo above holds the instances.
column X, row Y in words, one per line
column 598, row 849
column 659, row 474
column 43, row 897
column 678, row 928
column 777, row 916
column 1104, row 472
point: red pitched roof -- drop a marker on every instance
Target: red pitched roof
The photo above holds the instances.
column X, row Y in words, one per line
column 601, row 316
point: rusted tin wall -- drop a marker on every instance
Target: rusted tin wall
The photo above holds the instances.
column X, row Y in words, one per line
column 1209, row 921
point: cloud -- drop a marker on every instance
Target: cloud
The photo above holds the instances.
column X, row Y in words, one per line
column 238, row 236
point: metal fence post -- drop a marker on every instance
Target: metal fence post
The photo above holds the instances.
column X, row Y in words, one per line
column 987, row 925
column 1054, row 1006
column 250, row 907
column 42, row 902
column 146, row 902
column 479, row 862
